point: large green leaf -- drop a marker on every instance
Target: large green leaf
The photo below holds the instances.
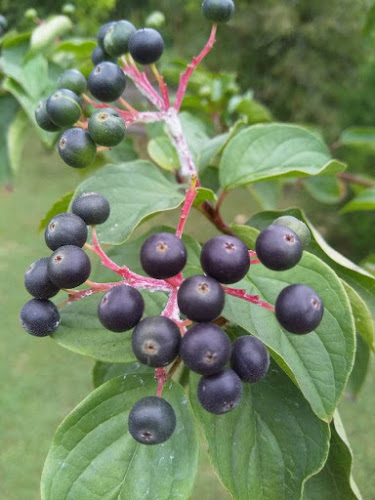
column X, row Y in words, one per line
column 334, row 481
column 135, row 190
column 103, row 372
column 359, row 279
column 364, row 201
column 263, row 152
column 163, row 153
column 8, row 111
column 267, row 447
column 320, row 361
column 93, row 455
column 81, row 331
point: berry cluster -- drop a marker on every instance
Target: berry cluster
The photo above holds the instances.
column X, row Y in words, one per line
column 158, row 341
column 67, row 267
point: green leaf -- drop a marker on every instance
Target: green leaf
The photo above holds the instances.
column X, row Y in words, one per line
column 267, row 447
column 363, row 137
column 254, row 111
column 45, row 34
column 364, row 201
column 334, row 481
column 359, row 279
column 195, row 132
column 94, row 456
column 60, row 206
column 103, row 372
column 263, row 152
column 80, row 330
column 204, row 194
column 17, row 135
column 80, row 48
column 320, row 361
column 163, row 153
column 8, row 110
column 135, row 190
column 325, row 189
column 211, row 149
column 360, row 369
column 266, row 194
column 362, row 316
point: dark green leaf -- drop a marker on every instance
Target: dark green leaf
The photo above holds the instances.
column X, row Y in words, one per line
column 263, row 152
column 81, row 331
column 60, row 206
column 93, row 455
column 267, row 447
column 103, row 372
column 320, row 361
column 334, row 481
column 135, row 190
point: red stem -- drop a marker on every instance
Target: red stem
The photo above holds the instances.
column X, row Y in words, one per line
column 185, row 77
column 254, row 299
column 191, row 194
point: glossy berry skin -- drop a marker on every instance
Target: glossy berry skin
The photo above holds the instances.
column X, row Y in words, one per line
column 152, row 420
column 220, row 393
column 121, row 308
column 163, row 255
column 39, row 317
column 106, row 81
column 106, row 127
column 117, row 37
column 225, row 258
column 250, row 359
column 92, row 208
column 156, row 341
column 205, row 349
column 37, row 281
column 201, row 298
column 99, row 55
column 64, row 107
column 297, row 226
column 218, row 11
column 146, row 46
column 76, row 148
column 102, row 32
column 73, row 80
column 299, row 309
column 69, row 267
column 65, row 229
column 278, row 248
column 42, row 117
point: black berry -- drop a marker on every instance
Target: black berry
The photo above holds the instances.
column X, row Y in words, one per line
column 77, row 148
column 218, row 11
column 146, row 46
column 117, row 37
column 106, row 127
column 152, row 420
column 107, row 81
column 39, row 317
column 250, row 359
column 69, row 267
column 205, row 349
column 220, row 393
column 278, row 248
column 225, row 258
column 99, row 55
column 299, row 309
column 163, row 255
column 297, row 226
column 65, row 229
column 43, row 119
column 92, row 208
column 156, row 341
column 121, row 308
column 201, row 298
column 73, row 80
column 64, row 107
column 37, row 281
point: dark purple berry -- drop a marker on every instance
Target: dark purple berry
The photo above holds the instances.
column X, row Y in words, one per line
column 39, row 317
column 163, row 255
column 37, row 281
column 201, row 298
column 69, row 267
column 121, row 308
column 250, row 359
column 107, row 81
column 220, row 393
column 92, row 208
column 65, row 229
column 278, row 248
column 146, row 46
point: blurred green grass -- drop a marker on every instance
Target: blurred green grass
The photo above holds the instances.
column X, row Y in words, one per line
column 42, row 382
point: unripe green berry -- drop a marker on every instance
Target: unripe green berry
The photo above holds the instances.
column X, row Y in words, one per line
column 117, row 37
column 218, row 11
column 68, row 9
column 77, row 148
column 43, row 119
column 64, row 107
column 106, row 127
column 31, row 14
column 73, row 80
